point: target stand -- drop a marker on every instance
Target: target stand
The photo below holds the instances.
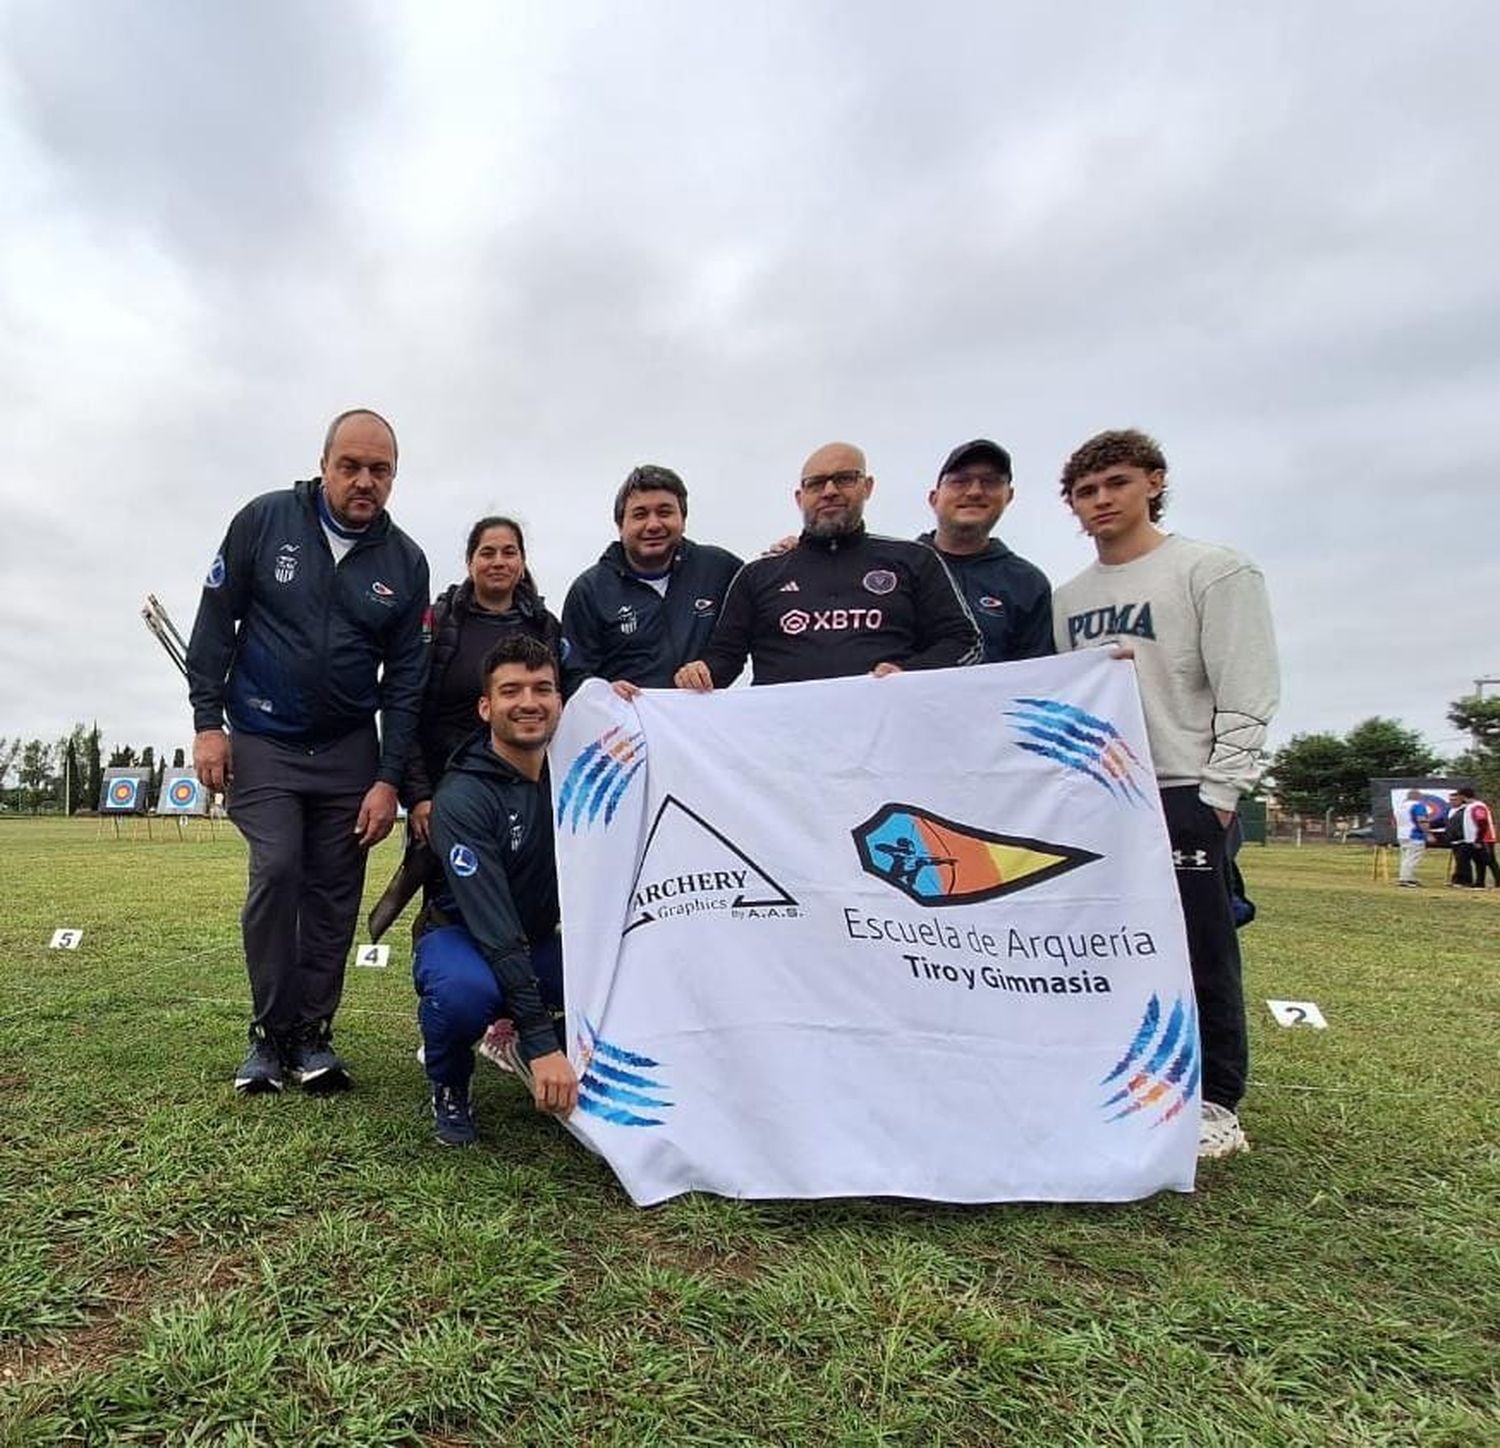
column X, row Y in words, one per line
column 1380, row 863
column 183, row 798
column 125, row 795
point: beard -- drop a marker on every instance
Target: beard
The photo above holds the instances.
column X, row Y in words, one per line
column 833, row 525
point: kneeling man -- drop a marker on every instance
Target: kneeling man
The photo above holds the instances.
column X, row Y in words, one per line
column 491, row 946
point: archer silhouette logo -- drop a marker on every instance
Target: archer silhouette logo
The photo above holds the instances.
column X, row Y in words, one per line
column 690, row 868
column 938, row 862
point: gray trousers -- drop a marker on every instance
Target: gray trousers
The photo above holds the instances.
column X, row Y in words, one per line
column 297, row 810
column 1411, row 856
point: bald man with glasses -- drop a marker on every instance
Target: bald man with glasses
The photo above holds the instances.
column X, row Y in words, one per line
column 844, row 601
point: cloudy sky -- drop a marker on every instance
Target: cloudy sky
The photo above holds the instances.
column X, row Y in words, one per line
column 553, row 241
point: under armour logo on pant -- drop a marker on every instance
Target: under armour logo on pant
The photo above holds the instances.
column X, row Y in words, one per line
column 1190, row 859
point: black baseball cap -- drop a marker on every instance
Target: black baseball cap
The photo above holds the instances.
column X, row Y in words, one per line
column 981, row 447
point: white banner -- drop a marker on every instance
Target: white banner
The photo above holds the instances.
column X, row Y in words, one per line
column 915, row 936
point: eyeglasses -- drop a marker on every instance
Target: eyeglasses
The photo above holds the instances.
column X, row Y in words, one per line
column 845, row 482
column 962, row 482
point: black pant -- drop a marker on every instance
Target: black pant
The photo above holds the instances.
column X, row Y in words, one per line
column 1198, row 853
column 1484, row 860
column 297, row 809
column 1463, row 864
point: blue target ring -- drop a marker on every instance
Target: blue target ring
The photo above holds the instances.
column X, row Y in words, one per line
column 122, row 792
column 184, row 792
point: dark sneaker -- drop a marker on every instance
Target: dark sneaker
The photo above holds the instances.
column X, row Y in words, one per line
column 262, row 1068
column 314, row 1062
column 453, row 1117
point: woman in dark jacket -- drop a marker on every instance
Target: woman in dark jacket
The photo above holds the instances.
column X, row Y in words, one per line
column 498, row 597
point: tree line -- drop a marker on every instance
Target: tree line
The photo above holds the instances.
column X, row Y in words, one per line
column 1320, row 774
column 67, row 775
column 1312, row 774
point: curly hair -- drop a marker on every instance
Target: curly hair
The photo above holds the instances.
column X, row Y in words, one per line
column 1128, row 446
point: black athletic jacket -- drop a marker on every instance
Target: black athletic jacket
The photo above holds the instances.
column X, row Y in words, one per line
column 492, row 829
column 436, row 739
column 1010, row 599
column 288, row 645
column 621, row 628
column 836, row 606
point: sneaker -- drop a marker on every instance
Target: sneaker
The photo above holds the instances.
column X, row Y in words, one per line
column 497, row 1045
column 262, row 1068
column 502, row 1045
column 453, row 1117
column 313, row 1060
column 1220, row 1133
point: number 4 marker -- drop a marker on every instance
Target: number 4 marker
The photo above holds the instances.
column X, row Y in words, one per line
column 376, row 957
column 1298, row 1013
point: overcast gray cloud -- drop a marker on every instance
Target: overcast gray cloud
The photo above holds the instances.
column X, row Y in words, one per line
column 556, row 241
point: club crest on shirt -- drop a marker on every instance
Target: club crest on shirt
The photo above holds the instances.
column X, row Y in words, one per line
column 879, row 580
column 625, row 617
column 286, row 567
column 990, row 604
column 464, row 861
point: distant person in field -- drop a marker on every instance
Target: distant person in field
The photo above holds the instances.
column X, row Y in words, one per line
column 310, row 625
column 1197, row 621
column 1413, row 831
column 490, row 950
column 1479, row 836
column 1461, row 875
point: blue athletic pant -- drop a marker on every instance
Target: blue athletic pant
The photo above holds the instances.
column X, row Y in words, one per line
column 460, row 997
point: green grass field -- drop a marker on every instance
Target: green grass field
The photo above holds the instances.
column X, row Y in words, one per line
column 180, row 1266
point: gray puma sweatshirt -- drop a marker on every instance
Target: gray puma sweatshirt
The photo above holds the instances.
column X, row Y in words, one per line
column 1199, row 621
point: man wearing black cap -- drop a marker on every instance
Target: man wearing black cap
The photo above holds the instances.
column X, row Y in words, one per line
column 842, row 602
column 649, row 603
column 1010, row 598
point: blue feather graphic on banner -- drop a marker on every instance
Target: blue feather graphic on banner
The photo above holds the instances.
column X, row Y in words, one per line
column 1082, row 742
column 1162, row 1065
column 614, row 1114
column 1142, row 1038
column 612, row 1052
column 1169, row 1039
column 617, row 793
column 601, row 1067
column 597, row 779
column 609, row 1092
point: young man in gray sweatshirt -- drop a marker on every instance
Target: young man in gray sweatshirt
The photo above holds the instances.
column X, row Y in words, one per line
column 1196, row 620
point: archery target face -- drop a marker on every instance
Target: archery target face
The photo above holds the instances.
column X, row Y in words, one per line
column 181, row 794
